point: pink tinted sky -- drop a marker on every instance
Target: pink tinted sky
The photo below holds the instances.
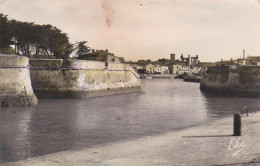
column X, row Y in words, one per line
column 151, row 29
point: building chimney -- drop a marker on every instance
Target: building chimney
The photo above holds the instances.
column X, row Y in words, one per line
column 189, row 59
column 244, row 57
column 93, row 50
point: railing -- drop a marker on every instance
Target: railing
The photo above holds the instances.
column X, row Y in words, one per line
column 245, row 110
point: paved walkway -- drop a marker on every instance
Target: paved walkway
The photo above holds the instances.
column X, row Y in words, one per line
column 208, row 144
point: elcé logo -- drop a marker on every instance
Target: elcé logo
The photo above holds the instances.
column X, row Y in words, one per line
column 236, row 145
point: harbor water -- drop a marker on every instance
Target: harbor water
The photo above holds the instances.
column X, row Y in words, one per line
column 163, row 105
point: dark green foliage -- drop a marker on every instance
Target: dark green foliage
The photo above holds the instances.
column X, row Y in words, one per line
column 144, row 62
column 122, row 59
column 5, row 34
column 81, row 48
column 32, row 39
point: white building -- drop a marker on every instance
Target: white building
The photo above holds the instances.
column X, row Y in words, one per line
column 157, row 69
column 186, row 69
column 161, row 69
column 164, row 69
column 149, row 68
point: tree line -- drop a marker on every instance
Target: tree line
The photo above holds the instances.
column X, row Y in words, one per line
column 27, row 38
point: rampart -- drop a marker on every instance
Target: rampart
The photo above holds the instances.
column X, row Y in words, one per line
column 232, row 80
column 15, row 82
column 54, row 78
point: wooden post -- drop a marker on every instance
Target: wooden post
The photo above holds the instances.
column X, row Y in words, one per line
column 237, row 125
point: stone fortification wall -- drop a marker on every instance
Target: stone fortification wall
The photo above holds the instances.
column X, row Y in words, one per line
column 83, row 79
column 233, row 80
column 46, row 63
column 15, row 82
column 118, row 66
column 85, row 64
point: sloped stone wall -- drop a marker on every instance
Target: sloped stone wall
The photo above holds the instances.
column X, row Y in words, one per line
column 15, row 82
column 83, row 79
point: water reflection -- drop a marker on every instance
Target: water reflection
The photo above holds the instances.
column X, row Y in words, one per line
column 14, row 129
column 223, row 105
column 51, row 128
column 57, row 125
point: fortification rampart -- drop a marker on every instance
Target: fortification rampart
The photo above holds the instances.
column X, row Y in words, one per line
column 233, row 80
column 81, row 78
column 84, row 65
column 15, row 82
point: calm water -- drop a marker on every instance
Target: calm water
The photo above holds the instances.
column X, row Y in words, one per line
column 57, row 125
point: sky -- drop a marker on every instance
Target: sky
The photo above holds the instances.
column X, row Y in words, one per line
column 151, row 29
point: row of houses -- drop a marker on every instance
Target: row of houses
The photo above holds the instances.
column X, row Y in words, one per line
column 187, row 65
column 177, row 69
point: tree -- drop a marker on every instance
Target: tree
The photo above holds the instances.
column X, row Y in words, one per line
column 32, row 39
column 141, row 62
column 163, row 61
column 59, row 44
column 5, row 35
column 122, row 59
column 81, row 48
column 23, row 37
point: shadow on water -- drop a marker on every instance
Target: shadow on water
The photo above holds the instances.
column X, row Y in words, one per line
column 222, row 105
column 57, row 125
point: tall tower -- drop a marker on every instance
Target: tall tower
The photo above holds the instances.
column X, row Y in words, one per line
column 172, row 61
column 172, row 58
